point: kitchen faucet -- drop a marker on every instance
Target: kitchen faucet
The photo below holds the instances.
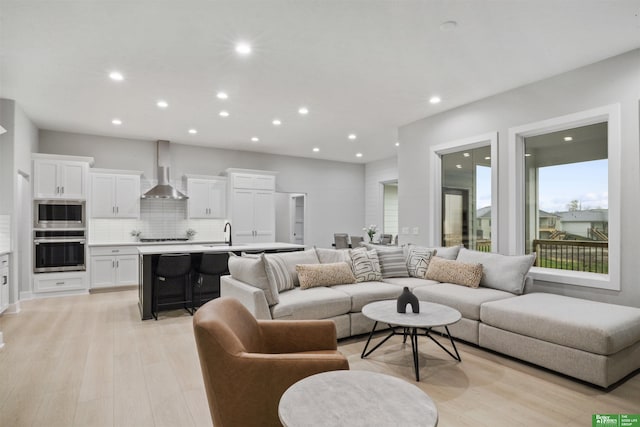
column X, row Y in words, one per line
column 225, row 230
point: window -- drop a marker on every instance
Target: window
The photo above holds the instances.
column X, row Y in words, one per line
column 390, row 207
column 465, row 192
column 565, row 188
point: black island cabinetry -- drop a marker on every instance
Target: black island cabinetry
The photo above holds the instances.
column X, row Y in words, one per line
column 200, row 291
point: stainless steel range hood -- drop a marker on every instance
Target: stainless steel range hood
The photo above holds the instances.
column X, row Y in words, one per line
column 164, row 190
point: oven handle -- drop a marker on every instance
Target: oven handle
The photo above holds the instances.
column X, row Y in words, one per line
column 38, row 241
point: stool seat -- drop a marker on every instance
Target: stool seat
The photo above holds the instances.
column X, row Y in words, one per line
column 211, row 267
column 173, row 269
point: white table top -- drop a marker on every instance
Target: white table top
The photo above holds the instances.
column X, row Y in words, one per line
column 431, row 314
column 173, row 249
column 355, row 398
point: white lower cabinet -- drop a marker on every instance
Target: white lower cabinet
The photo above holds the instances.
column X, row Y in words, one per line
column 4, row 283
column 57, row 282
column 113, row 266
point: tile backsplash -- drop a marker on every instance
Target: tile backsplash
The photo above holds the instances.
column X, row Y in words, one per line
column 159, row 218
column 5, row 232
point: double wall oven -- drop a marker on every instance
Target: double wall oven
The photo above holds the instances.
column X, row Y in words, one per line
column 59, row 236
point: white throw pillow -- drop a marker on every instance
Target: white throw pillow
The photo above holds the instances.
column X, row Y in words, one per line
column 418, row 261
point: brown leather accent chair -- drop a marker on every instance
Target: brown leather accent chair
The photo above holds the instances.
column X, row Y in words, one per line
column 247, row 364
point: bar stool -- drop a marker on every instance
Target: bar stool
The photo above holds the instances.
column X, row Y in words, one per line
column 212, row 265
column 171, row 269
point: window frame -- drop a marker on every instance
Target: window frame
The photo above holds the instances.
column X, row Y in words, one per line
column 516, row 179
column 488, row 139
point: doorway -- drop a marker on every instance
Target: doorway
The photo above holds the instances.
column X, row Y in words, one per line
column 291, row 217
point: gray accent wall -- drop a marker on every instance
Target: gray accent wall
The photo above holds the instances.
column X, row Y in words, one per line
column 335, row 190
column 615, row 80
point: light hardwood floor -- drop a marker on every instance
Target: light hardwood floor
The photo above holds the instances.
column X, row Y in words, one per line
column 90, row 361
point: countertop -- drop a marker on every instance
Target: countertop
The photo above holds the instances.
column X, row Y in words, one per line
column 181, row 243
column 4, row 252
column 196, row 248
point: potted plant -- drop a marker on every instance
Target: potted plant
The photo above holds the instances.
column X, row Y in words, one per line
column 371, row 231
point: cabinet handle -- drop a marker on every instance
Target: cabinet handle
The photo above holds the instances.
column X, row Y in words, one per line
column 58, row 190
column 113, row 264
column 4, row 280
column 117, row 264
column 113, row 209
column 59, row 283
column 117, row 209
column 115, row 250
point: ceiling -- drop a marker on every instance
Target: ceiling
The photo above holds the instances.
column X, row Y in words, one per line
column 361, row 67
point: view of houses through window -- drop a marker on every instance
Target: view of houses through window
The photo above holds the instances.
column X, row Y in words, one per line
column 566, row 199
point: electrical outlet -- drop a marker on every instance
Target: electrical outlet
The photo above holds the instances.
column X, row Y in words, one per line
column 405, row 230
column 416, row 231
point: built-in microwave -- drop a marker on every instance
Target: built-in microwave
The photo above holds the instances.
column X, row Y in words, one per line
column 59, row 214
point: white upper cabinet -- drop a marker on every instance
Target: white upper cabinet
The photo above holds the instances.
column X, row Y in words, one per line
column 115, row 195
column 57, row 179
column 207, row 197
column 252, row 206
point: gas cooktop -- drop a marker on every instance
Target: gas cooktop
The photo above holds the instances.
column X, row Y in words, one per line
column 166, row 239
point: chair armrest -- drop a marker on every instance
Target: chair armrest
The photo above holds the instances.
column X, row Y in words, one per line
column 251, row 297
column 291, row 336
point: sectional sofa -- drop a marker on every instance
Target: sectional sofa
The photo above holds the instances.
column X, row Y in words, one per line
column 592, row 341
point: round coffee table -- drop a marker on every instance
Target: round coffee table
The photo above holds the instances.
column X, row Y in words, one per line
column 355, row 398
column 431, row 315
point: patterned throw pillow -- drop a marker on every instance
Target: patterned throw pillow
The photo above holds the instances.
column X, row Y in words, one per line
column 418, row 261
column 392, row 263
column 328, row 274
column 365, row 265
column 459, row 273
column 250, row 270
column 277, row 272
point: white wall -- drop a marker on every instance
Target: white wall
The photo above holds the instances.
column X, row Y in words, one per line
column 616, row 80
column 335, row 190
column 375, row 174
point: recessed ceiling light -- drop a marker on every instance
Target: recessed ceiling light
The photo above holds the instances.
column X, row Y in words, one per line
column 466, row 154
column 352, row 136
column 448, row 25
column 435, row 100
column 162, row 104
column 459, row 166
column 276, row 122
column 303, row 111
column 223, row 113
column 488, row 158
column 316, row 149
column 222, row 95
column 116, row 122
column 568, row 138
column 255, row 139
column 528, row 155
column 397, row 144
column 243, row 48
column 358, row 154
column 116, row 75
column 193, row 131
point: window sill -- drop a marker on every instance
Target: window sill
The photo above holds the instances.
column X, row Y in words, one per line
column 576, row 278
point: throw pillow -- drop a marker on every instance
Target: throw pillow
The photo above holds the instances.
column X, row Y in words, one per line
column 448, row 252
column 365, row 265
column 251, row 270
column 418, row 261
column 277, row 272
column 456, row 272
column 329, row 274
column 504, row 272
column 290, row 259
column 392, row 263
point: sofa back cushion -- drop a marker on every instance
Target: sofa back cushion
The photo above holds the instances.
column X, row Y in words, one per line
column 251, row 270
column 504, row 272
column 448, row 252
column 365, row 265
column 281, row 267
column 333, row 255
column 393, row 263
column 327, row 274
column 456, row 272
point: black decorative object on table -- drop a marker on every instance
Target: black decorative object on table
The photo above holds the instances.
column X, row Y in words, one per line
column 407, row 297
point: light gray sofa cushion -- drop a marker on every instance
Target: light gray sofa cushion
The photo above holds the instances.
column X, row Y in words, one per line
column 326, row 256
column 504, row 272
column 466, row 300
column 250, row 269
column 410, row 282
column 586, row 325
column 309, row 304
column 363, row 293
column 450, row 252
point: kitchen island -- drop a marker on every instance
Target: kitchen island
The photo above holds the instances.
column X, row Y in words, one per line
column 148, row 259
